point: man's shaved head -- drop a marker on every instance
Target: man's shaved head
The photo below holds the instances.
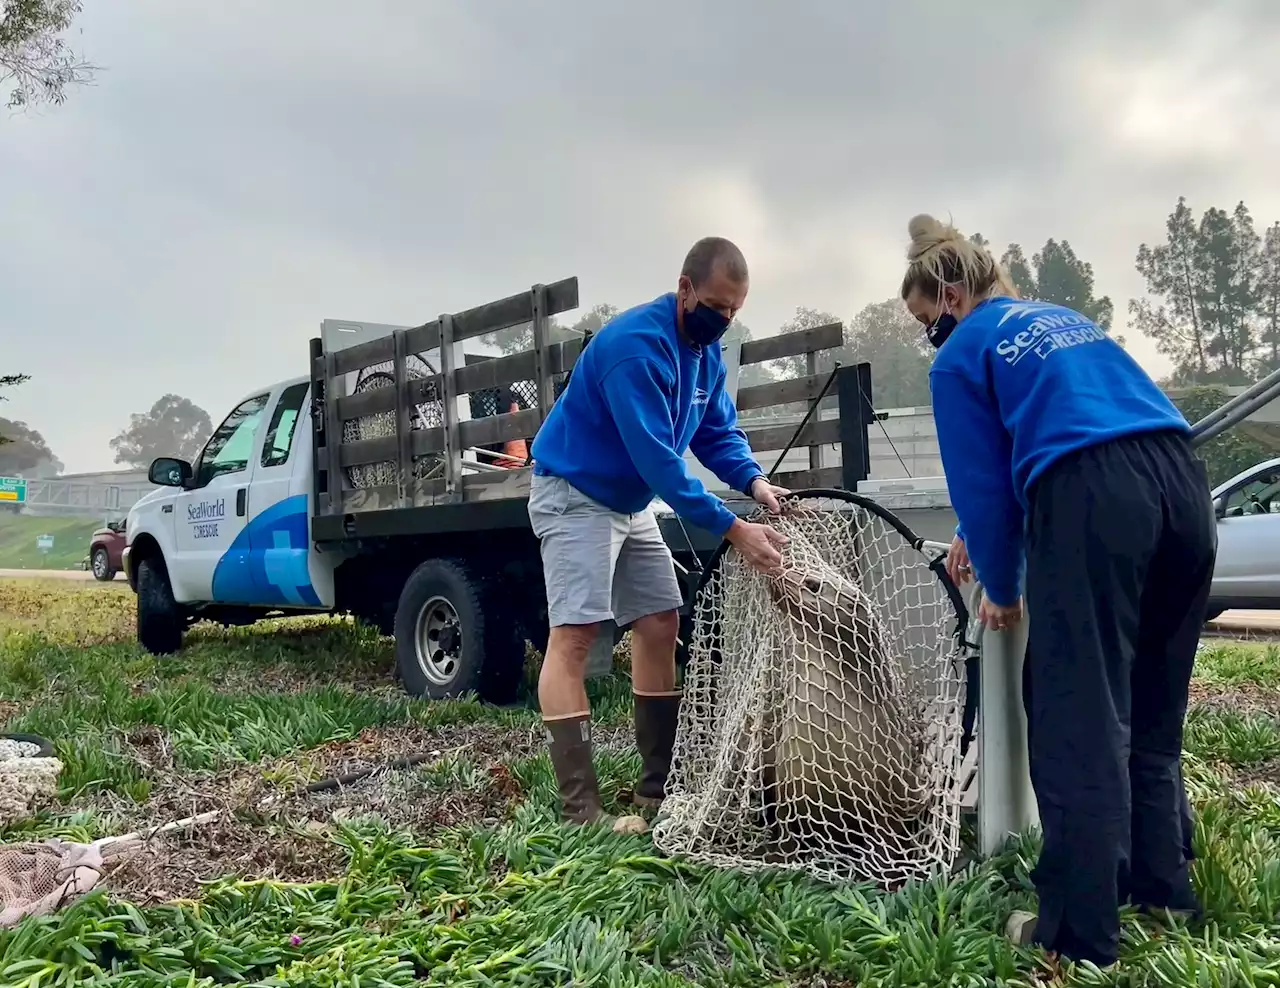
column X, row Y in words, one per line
column 714, row 277
column 708, row 253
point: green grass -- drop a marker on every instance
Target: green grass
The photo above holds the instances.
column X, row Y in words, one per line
column 1240, row 663
column 18, row 541
column 525, row 901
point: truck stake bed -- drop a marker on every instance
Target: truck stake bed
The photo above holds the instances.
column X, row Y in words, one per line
column 400, row 502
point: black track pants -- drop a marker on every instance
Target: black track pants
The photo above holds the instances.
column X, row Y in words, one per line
column 1120, row 551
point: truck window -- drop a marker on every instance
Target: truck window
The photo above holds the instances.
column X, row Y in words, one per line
column 228, row 449
column 275, row 448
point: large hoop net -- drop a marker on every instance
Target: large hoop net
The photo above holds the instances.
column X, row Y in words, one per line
column 382, row 424
column 822, row 716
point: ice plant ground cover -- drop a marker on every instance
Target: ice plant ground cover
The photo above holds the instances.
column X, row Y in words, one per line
column 456, row 872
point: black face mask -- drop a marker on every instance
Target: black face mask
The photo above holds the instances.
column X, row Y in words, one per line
column 940, row 329
column 704, row 325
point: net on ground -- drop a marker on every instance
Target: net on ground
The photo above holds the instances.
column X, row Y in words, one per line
column 821, row 723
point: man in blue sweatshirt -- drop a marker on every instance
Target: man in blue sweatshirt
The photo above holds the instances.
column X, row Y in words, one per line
column 1075, row 487
column 648, row 387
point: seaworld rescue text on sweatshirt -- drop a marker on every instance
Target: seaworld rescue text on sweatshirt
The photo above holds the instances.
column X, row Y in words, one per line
column 1016, row 386
column 638, row 397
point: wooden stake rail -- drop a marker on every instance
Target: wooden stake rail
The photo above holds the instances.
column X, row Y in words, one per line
column 536, row 372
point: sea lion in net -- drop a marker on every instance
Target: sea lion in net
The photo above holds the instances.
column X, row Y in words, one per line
column 847, row 755
column 820, row 724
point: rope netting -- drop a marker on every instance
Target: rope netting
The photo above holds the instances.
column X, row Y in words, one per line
column 821, row 723
column 36, row 877
column 428, row 414
column 380, row 425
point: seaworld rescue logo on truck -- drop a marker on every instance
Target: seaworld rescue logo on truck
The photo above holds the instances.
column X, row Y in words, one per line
column 1052, row 328
column 203, row 517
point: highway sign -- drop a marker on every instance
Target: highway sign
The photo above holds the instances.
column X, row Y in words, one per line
column 13, row 490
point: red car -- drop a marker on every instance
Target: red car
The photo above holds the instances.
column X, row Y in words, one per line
column 105, row 548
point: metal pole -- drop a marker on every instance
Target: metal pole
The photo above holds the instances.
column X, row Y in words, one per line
column 1263, row 389
column 1237, row 410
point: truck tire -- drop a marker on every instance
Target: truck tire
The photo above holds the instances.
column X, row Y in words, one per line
column 100, row 563
column 161, row 621
column 450, row 641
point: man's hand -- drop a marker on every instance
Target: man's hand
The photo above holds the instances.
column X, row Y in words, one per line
column 999, row 618
column 958, row 566
column 758, row 544
column 763, row 492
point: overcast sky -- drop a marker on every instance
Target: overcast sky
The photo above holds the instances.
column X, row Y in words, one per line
column 242, row 170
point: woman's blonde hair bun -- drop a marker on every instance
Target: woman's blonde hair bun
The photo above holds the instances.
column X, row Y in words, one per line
column 940, row 255
column 926, row 233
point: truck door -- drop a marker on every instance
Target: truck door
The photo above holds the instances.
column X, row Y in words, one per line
column 210, row 515
column 287, row 571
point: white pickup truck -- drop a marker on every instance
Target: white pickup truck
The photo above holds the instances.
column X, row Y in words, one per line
column 372, row 486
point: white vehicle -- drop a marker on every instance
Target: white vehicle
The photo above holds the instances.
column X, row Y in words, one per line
column 1247, row 571
column 377, row 486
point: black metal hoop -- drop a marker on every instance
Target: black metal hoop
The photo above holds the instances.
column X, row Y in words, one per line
column 936, row 565
column 44, row 744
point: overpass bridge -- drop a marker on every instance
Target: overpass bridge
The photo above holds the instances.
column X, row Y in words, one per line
column 106, row 494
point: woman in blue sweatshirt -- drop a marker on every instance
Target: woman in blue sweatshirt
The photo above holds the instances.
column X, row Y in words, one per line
column 1075, row 488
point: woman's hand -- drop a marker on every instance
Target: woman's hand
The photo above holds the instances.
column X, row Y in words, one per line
column 999, row 618
column 958, row 566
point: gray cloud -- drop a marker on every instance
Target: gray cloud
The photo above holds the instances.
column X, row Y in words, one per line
column 243, row 170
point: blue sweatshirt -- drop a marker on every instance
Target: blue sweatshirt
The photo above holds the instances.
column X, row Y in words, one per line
column 638, row 397
column 1016, row 386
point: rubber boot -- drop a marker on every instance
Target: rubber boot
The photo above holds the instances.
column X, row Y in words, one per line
column 656, row 719
column 570, row 744
column 1020, row 927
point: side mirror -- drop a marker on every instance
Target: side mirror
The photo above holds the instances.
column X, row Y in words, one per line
column 168, row 471
column 1220, row 507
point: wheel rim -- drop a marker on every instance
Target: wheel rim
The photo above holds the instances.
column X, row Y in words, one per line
column 99, row 563
column 437, row 640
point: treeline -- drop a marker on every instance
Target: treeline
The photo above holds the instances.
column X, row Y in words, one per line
column 173, row 426
column 1214, row 296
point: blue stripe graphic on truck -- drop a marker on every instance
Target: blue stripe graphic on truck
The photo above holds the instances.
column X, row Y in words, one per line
column 267, row 562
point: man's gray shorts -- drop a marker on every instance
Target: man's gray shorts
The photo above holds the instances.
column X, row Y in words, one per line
column 599, row 563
